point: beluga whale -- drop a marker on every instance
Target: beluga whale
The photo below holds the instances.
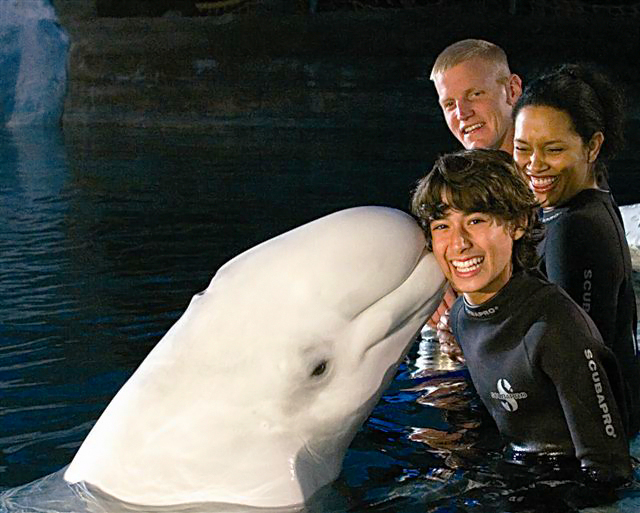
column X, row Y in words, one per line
column 253, row 396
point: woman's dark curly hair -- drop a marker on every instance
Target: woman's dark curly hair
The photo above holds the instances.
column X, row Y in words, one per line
column 484, row 181
column 590, row 99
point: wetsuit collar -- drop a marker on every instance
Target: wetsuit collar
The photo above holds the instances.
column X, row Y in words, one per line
column 498, row 305
column 546, row 216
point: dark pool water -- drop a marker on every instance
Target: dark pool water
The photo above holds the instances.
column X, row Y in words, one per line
column 105, row 235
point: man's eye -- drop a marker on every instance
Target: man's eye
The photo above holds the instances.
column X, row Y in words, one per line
column 521, row 149
column 555, row 150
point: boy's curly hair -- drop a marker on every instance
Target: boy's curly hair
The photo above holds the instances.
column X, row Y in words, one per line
column 484, row 181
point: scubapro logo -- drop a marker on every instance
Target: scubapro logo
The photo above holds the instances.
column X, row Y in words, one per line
column 508, row 398
column 484, row 313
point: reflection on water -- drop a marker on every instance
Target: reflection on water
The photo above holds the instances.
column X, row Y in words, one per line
column 107, row 233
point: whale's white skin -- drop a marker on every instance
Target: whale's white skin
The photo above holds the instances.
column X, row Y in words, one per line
column 227, row 408
column 631, row 219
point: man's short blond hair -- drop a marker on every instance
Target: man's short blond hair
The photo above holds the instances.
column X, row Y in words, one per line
column 467, row 49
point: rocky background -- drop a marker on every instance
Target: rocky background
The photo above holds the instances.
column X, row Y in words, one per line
column 275, row 61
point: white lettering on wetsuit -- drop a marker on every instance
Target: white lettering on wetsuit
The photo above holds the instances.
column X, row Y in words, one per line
column 507, row 397
column 602, row 403
column 586, row 290
column 483, row 313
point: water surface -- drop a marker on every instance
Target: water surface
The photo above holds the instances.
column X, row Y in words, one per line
column 106, row 234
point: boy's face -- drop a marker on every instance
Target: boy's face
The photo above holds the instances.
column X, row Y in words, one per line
column 474, row 251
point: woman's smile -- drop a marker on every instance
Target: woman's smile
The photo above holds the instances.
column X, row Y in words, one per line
column 542, row 184
column 552, row 155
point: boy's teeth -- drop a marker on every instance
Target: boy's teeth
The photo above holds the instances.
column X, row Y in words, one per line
column 467, row 265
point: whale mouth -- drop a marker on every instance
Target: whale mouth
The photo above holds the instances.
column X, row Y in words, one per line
column 408, row 301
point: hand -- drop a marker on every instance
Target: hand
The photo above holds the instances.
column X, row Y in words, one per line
column 448, row 343
column 443, row 308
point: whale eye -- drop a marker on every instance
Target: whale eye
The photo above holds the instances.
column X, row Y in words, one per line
column 320, row 369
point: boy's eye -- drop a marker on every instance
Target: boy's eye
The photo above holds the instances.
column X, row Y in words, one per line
column 438, row 226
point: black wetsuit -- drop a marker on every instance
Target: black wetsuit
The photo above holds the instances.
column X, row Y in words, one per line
column 586, row 253
column 541, row 369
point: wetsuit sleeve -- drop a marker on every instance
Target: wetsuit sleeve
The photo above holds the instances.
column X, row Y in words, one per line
column 575, row 362
column 584, row 258
column 454, row 319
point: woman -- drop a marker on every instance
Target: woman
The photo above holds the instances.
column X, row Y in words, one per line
column 567, row 123
column 519, row 333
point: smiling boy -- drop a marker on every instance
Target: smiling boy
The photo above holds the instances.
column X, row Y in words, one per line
column 519, row 333
column 476, row 92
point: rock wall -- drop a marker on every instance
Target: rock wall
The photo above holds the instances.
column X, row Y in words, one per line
column 329, row 66
column 74, row 9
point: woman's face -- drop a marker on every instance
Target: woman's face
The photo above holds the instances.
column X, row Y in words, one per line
column 552, row 155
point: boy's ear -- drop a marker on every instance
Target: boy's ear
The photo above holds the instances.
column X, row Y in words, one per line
column 517, row 233
column 517, row 229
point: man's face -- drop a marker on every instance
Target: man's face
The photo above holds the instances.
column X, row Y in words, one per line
column 474, row 251
column 476, row 106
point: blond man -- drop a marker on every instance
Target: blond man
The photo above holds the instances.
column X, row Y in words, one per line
column 477, row 92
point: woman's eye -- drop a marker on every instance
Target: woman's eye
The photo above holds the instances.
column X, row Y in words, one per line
column 320, row 369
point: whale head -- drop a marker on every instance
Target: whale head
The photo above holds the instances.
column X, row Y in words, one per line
column 255, row 393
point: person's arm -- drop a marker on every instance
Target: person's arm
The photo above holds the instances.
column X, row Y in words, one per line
column 584, row 259
column 575, row 362
column 445, row 305
column 440, row 322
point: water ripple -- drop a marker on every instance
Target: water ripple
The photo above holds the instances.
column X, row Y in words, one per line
column 106, row 235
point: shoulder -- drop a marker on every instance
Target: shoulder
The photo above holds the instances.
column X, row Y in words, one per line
column 557, row 314
column 589, row 224
column 535, row 289
column 456, row 310
column 589, row 210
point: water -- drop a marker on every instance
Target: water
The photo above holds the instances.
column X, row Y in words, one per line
column 107, row 233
